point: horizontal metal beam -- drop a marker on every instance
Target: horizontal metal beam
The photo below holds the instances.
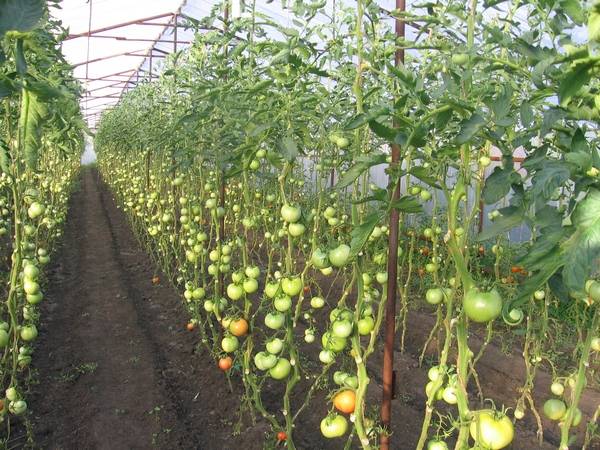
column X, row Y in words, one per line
column 119, row 25
column 123, row 38
column 117, row 55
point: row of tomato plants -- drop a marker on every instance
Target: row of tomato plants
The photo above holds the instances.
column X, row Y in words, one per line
column 246, row 171
column 40, row 142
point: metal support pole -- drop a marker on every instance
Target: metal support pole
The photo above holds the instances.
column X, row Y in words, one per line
column 392, row 283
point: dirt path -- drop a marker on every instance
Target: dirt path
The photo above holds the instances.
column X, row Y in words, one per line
column 116, row 367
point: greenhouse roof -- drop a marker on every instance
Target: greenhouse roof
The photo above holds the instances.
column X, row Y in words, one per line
column 113, row 44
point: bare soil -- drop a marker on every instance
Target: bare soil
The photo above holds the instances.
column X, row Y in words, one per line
column 116, row 368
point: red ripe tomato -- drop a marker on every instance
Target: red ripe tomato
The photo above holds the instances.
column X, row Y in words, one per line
column 281, row 436
column 306, row 290
column 225, row 363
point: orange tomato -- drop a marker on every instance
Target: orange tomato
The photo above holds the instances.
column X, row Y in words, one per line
column 516, row 269
column 306, row 290
column 238, row 327
column 225, row 363
column 190, row 326
column 281, row 436
column 345, row 401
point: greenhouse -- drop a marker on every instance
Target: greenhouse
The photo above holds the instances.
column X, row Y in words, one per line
column 295, row 224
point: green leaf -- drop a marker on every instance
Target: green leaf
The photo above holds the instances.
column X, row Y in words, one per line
column 361, row 119
column 20, row 15
column 407, row 204
column 574, row 10
column 469, row 128
column 382, row 130
column 20, row 61
column 575, row 78
column 511, row 217
column 288, row 148
column 32, row 115
column 497, row 185
column 6, row 87
column 4, row 158
column 424, row 175
column 361, row 233
column 553, row 263
column 552, row 175
column 362, row 163
column 582, row 249
column 538, row 252
column 526, row 113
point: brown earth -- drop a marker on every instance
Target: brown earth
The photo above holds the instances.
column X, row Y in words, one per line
column 118, row 370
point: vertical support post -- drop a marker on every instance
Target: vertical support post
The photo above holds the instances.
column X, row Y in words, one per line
column 222, row 180
column 392, row 283
column 150, row 63
column 175, row 33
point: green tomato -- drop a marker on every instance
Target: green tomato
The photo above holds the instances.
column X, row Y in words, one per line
column 31, row 271
column 339, row 377
column 539, row 295
column 555, row 409
column 317, row 302
column 596, row 344
column 29, row 333
column 437, row 445
column 593, row 289
column 230, row 344
column 234, row 291
column 351, row 381
column 291, row 286
column 365, row 325
column 449, row 395
column 319, row 259
column 341, row 328
column 30, row 287
column 557, row 388
column 296, row 229
column 460, row 59
column 274, row 321
column 290, row 213
column 333, row 343
column 198, row 293
column 577, row 417
column 250, row 285
column 252, row 272
column 482, row 307
column 3, row 338
column 17, row 407
column 34, row 299
column 492, row 430
column 274, row 346
column 326, row 356
column 281, row 369
column 340, row 255
column 381, row 277
column 264, row 360
column 271, row 289
column 35, row 210
column 435, row 296
column 334, row 426
column 283, row 303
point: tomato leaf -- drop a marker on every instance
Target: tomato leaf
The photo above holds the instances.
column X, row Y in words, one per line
column 407, row 204
column 361, row 233
column 497, row 185
column 20, row 15
column 362, row 163
column 382, row 130
column 469, row 128
column 575, row 78
column 288, row 148
column 511, row 217
column 361, row 119
column 582, row 249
